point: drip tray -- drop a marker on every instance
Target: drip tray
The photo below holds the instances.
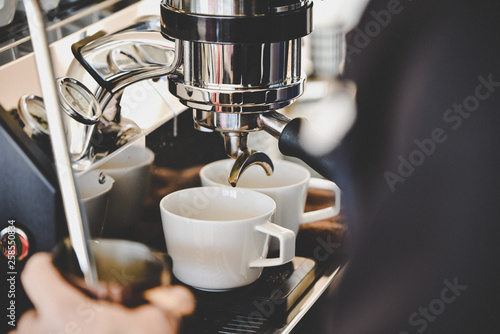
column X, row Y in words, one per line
column 257, row 308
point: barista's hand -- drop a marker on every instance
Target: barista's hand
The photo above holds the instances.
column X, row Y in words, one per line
column 61, row 308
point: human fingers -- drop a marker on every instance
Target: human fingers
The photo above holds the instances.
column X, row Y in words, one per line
column 45, row 286
column 176, row 300
column 27, row 324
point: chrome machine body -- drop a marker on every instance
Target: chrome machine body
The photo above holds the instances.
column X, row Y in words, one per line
column 233, row 62
column 241, row 60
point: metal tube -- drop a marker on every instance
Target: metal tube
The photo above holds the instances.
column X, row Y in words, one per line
column 273, row 123
column 77, row 223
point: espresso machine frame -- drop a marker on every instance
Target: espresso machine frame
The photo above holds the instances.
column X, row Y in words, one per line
column 27, row 168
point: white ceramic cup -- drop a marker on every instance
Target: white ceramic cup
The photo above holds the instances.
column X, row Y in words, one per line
column 93, row 189
column 288, row 186
column 131, row 170
column 218, row 237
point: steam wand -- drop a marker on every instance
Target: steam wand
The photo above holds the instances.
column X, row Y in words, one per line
column 77, row 223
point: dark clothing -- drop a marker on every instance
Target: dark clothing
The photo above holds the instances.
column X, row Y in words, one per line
column 420, row 172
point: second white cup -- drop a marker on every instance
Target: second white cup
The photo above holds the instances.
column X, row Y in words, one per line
column 131, row 170
column 93, row 189
column 288, row 186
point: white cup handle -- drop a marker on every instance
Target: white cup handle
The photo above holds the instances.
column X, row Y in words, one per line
column 287, row 245
column 324, row 213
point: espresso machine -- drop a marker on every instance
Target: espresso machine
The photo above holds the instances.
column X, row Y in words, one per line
column 226, row 67
column 233, row 63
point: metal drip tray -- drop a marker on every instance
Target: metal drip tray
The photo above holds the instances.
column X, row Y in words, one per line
column 282, row 296
column 273, row 304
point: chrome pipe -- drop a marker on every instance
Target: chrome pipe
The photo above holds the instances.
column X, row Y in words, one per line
column 77, row 223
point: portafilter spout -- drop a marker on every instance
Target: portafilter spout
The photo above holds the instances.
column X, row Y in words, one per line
column 236, row 147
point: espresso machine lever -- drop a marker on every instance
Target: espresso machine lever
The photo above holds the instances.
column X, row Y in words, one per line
column 118, row 60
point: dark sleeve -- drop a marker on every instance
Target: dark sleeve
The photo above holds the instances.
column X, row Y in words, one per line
column 420, row 172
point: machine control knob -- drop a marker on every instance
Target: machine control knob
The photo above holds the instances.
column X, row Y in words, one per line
column 14, row 243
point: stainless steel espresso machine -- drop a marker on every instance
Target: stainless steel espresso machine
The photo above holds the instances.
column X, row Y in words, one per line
column 232, row 65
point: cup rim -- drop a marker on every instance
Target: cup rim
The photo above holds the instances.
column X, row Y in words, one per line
column 150, row 156
column 219, row 189
column 204, row 170
column 102, row 188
